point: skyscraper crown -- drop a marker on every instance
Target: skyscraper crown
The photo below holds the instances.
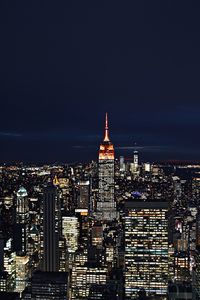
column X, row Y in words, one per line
column 106, row 148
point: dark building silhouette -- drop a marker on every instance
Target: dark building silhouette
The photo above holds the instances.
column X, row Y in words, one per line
column 47, row 285
column 9, row 296
column 51, row 229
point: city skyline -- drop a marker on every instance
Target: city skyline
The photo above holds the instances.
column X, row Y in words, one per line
column 87, row 145
column 99, row 150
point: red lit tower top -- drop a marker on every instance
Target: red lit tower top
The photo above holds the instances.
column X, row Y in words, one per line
column 106, row 150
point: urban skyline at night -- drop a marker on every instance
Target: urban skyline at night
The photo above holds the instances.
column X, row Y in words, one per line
column 100, row 150
column 153, row 151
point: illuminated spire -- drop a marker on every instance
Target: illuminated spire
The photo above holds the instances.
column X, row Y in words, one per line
column 106, row 135
column 55, row 180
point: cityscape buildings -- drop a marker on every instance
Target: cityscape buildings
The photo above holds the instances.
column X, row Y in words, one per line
column 118, row 228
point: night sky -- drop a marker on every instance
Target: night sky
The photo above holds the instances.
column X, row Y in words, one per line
column 63, row 64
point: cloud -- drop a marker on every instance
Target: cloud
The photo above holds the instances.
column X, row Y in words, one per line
column 144, row 148
column 10, row 134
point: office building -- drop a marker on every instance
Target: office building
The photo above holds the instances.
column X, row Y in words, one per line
column 84, row 277
column 121, row 164
column 22, row 273
column 146, row 248
column 83, row 195
column 70, row 231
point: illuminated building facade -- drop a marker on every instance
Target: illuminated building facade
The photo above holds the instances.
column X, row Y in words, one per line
column 196, row 276
column 22, row 272
column 22, row 221
column 181, row 266
column 4, row 280
column 97, row 236
column 106, row 206
column 135, row 165
column 62, row 255
column 121, row 164
column 146, row 248
column 196, row 187
column 83, row 195
column 84, row 277
column 70, row 232
column 10, row 263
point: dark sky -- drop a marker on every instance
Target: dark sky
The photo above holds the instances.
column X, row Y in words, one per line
column 63, row 64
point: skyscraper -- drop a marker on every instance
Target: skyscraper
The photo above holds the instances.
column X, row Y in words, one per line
column 121, row 164
column 106, row 206
column 70, row 232
column 22, row 221
column 51, row 229
column 135, row 163
column 146, row 248
column 83, row 195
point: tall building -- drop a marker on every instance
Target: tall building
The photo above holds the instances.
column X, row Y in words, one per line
column 83, row 196
column 22, row 273
column 135, row 164
column 22, row 221
column 70, row 232
column 196, row 276
column 146, row 248
column 10, row 263
column 2, row 251
column 51, row 229
column 121, row 164
column 84, row 277
column 106, row 206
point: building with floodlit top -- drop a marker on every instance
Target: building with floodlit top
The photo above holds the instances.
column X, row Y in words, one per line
column 106, row 206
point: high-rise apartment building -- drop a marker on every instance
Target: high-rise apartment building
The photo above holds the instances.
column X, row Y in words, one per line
column 106, row 206
column 146, row 248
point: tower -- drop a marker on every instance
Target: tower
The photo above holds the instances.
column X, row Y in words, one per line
column 135, row 163
column 135, row 159
column 51, row 228
column 106, row 206
column 83, row 195
column 22, row 221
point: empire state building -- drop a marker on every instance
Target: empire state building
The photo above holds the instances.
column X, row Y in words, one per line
column 106, row 206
